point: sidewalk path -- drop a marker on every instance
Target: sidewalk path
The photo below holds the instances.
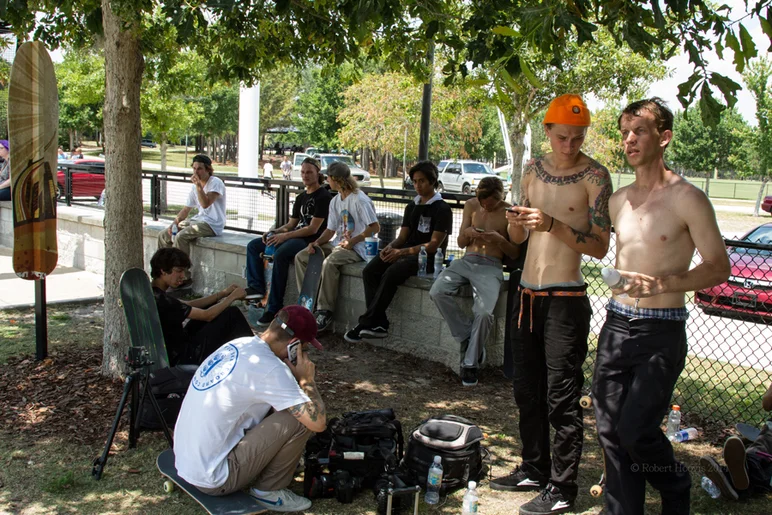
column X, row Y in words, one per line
column 65, row 284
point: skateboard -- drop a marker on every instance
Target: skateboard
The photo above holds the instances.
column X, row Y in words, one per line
column 142, row 316
column 310, row 288
column 237, row 503
column 748, row 431
column 33, row 119
column 597, row 489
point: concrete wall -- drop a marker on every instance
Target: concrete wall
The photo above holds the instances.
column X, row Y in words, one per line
column 416, row 325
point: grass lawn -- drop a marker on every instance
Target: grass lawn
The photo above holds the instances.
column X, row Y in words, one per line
column 51, row 474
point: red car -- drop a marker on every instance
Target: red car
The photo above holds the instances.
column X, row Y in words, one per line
column 748, row 291
column 85, row 183
column 767, row 204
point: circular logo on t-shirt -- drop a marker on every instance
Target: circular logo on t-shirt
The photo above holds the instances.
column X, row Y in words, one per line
column 217, row 367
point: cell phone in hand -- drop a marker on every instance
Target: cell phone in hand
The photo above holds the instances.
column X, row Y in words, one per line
column 292, row 352
column 479, row 230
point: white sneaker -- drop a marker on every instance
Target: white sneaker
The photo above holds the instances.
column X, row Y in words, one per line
column 280, row 500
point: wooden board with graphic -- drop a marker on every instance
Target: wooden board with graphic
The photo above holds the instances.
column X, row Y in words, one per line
column 33, row 120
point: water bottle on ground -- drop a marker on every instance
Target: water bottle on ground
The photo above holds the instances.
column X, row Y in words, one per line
column 422, row 258
column 710, row 487
column 438, row 259
column 434, row 481
column 469, row 505
column 683, row 435
column 613, row 279
column 673, row 422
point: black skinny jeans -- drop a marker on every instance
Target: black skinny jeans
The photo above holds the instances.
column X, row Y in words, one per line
column 381, row 280
column 207, row 337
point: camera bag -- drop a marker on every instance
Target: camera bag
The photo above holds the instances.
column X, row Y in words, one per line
column 168, row 385
column 358, row 442
column 456, row 440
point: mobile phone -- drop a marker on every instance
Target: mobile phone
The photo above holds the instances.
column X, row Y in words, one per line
column 511, row 209
column 479, row 230
column 292, row 352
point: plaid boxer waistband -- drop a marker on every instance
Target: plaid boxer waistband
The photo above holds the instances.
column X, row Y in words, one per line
column 543, row 293
column 674, row 314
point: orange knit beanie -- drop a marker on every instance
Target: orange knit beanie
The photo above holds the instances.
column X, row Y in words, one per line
column 568, row 110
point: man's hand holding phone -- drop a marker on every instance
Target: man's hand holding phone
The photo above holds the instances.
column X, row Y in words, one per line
column 302, row 368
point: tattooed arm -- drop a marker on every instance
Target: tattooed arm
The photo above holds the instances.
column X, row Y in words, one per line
column 592, row 240
column 311, row 414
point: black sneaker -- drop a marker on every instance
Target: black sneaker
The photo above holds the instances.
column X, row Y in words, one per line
column 550, row 500
column 323, row 320
column 375, row 332
column 253, row 294
column 734, row 457
column 716, row 473
column 518, row 481
column 266, row 319
column 354, row 336
column 468, row 376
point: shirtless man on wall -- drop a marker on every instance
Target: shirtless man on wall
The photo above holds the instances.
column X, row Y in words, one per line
column 564, row 214
column 484, row 235
column 659, row 220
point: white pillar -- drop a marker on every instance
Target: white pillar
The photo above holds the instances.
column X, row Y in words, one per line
column 249, row 131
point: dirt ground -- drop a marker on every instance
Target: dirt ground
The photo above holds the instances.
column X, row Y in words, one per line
column 55, row 415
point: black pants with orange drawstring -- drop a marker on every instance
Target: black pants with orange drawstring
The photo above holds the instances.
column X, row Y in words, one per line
column 549, row 331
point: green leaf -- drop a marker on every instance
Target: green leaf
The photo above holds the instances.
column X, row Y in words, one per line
column 508, row 80
column 686, row 90
column 767, row 28
column 526, row 69
column 710, row 108
column 749, row 47
column 734, row 44
column 501, row 30
column 728, row 87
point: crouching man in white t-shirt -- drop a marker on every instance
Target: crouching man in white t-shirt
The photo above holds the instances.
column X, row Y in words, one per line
column 249, row 411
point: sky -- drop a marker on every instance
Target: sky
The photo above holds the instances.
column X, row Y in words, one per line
column 668, row 89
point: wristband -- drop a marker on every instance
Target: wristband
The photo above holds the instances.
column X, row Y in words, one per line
column 551, row 224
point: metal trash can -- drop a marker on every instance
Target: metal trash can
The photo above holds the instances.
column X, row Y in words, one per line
column 390, row 224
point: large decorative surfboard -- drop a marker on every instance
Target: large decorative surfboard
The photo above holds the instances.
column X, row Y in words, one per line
column 33, row 120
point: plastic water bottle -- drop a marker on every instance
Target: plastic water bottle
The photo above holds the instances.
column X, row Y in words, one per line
column 689, row 433
column 469, row 505
column 613, row 279
column 673, row 422
column 422, row 258
column 438, row 259
column 174, row 231
column 710, row 487
column 434, row 481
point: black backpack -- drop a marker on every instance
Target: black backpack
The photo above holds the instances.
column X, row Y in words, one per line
column 456, row 440
column 169, row 386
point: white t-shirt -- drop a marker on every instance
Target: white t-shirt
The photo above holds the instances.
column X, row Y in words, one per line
column 231, row 392
column 286, row 166
column 353, row 214
column 267, row 171
column 214, row 215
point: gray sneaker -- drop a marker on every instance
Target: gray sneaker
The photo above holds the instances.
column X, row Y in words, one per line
column 281, row 500
column 323, row 320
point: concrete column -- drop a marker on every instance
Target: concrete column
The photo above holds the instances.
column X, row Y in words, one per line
column 249, row 131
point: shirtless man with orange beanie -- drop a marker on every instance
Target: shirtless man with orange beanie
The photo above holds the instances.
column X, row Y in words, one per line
column 564, row 214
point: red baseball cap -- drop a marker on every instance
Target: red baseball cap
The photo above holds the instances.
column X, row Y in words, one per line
column 301, row 324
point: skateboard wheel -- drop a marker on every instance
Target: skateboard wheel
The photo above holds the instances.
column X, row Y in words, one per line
column 596, row 490
column 168, row 487
column 585, row 401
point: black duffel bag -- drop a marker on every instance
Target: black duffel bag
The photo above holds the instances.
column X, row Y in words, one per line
column 169, row 386
column 456, row 440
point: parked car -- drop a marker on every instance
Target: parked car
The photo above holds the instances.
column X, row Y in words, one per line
column 767, row 204
column 297, row 161
column 463, row 176
column 407, row 182
column 149, row 143
column 748, row 291
column 362, row 177
column 89, row 181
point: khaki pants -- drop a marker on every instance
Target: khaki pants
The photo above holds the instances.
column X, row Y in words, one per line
column 187, row 233
column 267, row 455
column 328, row 286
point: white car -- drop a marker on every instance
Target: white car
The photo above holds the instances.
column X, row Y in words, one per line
column 463, row 176
column 362, row 177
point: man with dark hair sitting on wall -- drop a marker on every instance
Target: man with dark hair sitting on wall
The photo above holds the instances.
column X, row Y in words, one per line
column 193, row 329
column 484, row 235
column 427, row 221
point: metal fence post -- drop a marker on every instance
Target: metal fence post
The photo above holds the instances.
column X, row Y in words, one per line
column 68, row 186
column 154, row 196
column 282, row 205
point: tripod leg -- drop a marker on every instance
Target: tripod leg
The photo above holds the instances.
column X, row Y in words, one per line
column 101, row 461
column 134, row 413
column 147, row 392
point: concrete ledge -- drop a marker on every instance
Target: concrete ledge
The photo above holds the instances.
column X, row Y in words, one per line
column 416, row 326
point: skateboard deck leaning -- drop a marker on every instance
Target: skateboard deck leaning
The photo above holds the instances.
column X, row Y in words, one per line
column 33, row 120
column 237, row 503
column 310, row 287
column 142, row 316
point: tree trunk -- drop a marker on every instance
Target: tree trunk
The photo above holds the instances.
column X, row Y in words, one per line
column 619, row 178
column 163, row 151
column 366, row 159
column 72, row 139
column 760, row 196
column 124, row 65
column 162, row 185
column 516, row 135
column 707, row 184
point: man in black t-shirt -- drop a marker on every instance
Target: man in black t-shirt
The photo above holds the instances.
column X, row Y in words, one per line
column 427, row 222
column 307, row 223
column 193, row 329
